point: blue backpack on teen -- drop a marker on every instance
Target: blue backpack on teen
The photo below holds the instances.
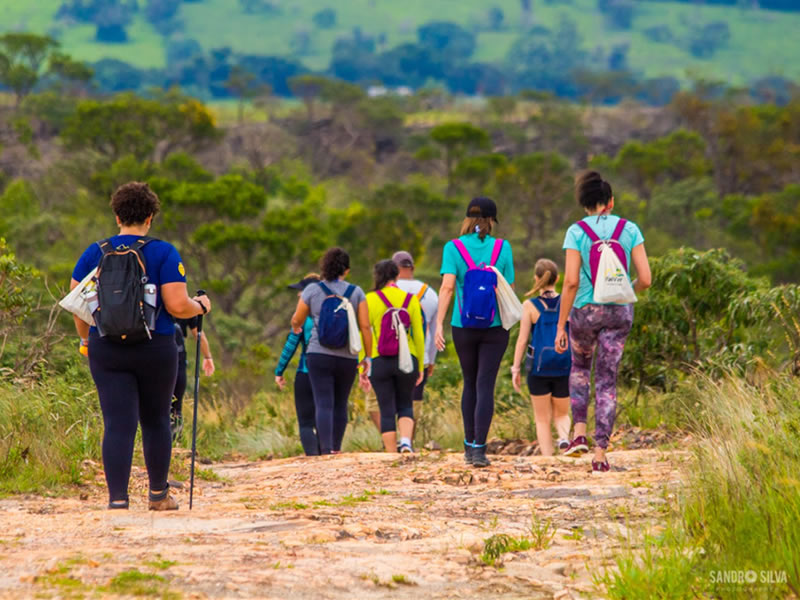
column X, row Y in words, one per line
column 544, row 360
column 332, row 325
column 478, row 303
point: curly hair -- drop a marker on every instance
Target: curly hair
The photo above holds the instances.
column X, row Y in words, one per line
column 335, row 263
column 592, row 190
column 134, row 202
column 384, row 272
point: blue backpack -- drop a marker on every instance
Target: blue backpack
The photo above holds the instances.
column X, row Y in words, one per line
column 478, row 304
column 544, row 360
column 332, row 325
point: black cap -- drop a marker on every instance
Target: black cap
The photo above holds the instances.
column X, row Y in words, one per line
column 303, row 283
column 488, row 209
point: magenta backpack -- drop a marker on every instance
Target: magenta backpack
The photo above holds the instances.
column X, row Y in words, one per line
column 389, row 340
column 597, row 246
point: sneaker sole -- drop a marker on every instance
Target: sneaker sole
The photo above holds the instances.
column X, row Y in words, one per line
column 577, row 451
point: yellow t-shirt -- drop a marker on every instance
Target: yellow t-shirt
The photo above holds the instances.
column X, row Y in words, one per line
column 377, row 308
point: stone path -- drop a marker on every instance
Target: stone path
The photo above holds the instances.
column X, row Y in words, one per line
column 347, row 526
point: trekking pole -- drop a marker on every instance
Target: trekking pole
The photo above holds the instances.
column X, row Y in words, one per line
column 196, row 390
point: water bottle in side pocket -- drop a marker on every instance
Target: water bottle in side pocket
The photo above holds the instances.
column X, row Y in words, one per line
column 150, row 305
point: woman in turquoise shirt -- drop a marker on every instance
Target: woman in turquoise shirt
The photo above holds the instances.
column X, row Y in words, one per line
column 594, row 326
column 480, row 350
column 303, row 395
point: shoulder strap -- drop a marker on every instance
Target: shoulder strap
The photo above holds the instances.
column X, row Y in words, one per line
column 326, row 289
column 349, row 291
column 105, row 246
column 141, row 243
column 462, row 249
column 539, row 304
column 383, row 297
column 422, row 291
column 619, row 229
column 498, row 248
column 407, row 300
column 588, row 231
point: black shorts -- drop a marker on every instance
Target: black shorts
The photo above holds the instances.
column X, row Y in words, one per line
column 558, row 387
column 419, row 391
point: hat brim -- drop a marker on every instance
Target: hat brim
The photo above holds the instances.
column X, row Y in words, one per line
column 296, row 286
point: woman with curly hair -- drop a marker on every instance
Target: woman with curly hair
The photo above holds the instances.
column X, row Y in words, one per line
column 135, row 379
column 332, row 368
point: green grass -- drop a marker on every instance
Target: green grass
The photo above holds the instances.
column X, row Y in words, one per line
column 761, row 42
column 739, row 507
column 46, row 431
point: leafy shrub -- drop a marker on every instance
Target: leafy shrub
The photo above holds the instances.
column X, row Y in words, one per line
column 325, row 18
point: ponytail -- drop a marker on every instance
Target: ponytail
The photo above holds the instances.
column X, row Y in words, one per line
column 545, row 275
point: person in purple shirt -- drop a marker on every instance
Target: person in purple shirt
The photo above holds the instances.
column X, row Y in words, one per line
column 135, row 381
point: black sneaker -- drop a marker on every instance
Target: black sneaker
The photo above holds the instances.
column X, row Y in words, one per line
column 468, row 453
column 479, row 458
column 175, row 425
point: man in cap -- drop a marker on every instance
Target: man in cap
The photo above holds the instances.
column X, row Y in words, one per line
column 429, row 301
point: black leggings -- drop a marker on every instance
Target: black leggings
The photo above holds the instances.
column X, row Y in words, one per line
column 180, row 383
column 135, row 385
column 332, row 379
column 394, row 390
column 480, row 352
column 304, row 405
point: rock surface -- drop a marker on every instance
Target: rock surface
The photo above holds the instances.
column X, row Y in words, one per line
column 341, row 527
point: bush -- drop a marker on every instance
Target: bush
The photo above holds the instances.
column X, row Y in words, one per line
column 705, row 40
column 618, row 13
column 325, row 18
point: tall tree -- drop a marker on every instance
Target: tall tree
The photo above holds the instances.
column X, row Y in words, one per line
column 23, row 57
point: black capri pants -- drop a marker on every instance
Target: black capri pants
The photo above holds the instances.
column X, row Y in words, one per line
column 332, row 379
column 480, row 352
column 135, row 384
column 304, row 406
column 393, row 389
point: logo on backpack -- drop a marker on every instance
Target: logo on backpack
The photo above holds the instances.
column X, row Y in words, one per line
column 332, row 326
column 126, row 302
column 543, row 359
column 609, row 267
column 478, row 302
column 394, row 323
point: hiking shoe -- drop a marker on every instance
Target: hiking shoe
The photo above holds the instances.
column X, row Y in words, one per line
column 162, row 501
column 479, row 458
column 563, row 445
column 405, row 449
column 600, row 467
column 118, row 505
column 468, row 453
column 577, row 447
column 175, row 425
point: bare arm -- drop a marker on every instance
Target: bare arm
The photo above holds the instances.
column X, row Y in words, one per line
column 366, row 329
column 445, row 296
column 300, row 315
column 572, row 277
column 524, row 334
column 644, row 277
column 179, row 305
column 208, row 360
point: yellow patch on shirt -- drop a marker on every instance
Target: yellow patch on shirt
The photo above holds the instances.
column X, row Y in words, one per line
column 181, row 270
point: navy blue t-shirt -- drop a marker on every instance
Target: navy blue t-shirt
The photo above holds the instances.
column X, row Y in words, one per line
column 163, row 266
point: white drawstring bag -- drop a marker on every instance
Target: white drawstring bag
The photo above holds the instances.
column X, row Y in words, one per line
column 612, row 285
column 353, row 332
column 404, row 362
column 75, row 301
column 508, row 305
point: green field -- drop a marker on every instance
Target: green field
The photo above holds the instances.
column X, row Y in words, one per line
column 762, row 42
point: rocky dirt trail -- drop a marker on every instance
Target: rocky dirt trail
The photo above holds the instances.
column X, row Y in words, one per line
column 346, row 526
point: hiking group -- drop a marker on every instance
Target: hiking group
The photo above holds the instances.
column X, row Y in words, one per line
column 135, row 288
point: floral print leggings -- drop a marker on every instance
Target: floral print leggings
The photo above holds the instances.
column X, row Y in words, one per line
column 601, row 327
